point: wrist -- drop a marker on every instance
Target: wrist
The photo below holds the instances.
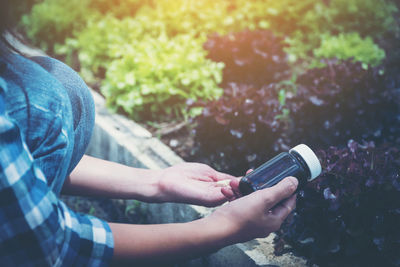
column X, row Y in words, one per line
column 164, row 187
column 220, row 229
column 139, row 184
column 161, row 194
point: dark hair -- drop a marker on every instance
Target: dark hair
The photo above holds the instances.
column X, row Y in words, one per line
column 9, row 16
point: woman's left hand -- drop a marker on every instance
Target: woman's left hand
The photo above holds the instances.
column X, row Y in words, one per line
column 195, row 183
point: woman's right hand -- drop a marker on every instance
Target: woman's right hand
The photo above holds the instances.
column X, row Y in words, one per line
column 257, row 214
column 243, row 219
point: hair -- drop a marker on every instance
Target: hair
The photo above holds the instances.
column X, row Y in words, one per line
column 9, row 16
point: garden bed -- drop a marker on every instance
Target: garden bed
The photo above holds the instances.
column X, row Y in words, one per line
column 350, row 114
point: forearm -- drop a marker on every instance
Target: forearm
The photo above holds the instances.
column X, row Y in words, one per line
column 96, row 177
column 167, row 242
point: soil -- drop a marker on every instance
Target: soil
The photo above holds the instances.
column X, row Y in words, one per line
column 179, row 136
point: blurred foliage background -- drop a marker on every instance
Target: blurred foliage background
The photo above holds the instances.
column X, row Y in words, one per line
column 147, row 54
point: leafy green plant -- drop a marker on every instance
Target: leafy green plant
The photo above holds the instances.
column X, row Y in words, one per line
column 119, row 8
column 51, row 21
column 367, row 17
column 153, row 78
column 207, row 16
column 147, row 74
column 95, row 41
column 350, row 45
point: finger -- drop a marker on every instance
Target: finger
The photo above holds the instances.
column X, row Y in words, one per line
column 228, row 193
column 223, row 176
column 282, row 210
column 280, row 191
column 234, row 184
column 249, row 171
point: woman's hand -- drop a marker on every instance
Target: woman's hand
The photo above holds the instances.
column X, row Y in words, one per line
column 255, row 215
column 194, row 183
column 258, row 214
column 232, row 192
column 191, row 183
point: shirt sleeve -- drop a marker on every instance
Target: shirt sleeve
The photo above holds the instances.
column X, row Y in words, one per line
column 36, row 228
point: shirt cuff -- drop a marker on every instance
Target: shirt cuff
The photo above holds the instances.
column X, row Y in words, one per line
column 91, row 240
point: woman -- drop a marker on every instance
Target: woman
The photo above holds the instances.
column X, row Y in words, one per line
column 46, row 120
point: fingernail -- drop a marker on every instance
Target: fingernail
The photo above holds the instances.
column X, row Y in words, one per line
column 294, row 181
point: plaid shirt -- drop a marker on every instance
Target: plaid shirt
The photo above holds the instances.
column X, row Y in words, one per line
column 36, row 228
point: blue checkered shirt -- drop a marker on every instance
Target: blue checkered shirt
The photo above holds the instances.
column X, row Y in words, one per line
column 36, row 228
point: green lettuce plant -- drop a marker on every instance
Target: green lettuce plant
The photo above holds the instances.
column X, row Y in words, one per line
column 52, row 21
column 350, row 45
column 368, row 17
column 152, row 79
